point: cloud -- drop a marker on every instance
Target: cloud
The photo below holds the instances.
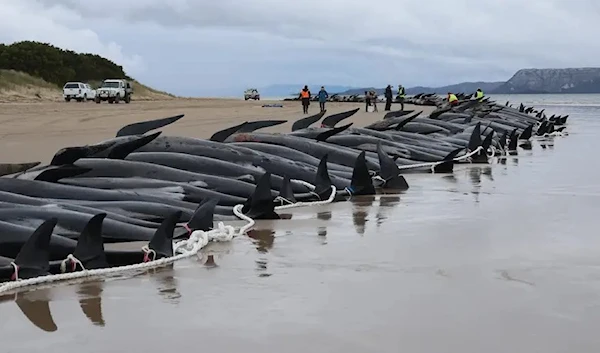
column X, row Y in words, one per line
column 216, row 47
column 27, row 20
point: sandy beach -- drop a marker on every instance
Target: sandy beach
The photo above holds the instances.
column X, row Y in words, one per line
column 35, row 131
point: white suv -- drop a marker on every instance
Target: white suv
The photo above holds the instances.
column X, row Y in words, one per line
column 79, row 91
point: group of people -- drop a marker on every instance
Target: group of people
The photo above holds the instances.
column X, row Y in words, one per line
column 453, row 100
column 305, row 97
column 371, row 98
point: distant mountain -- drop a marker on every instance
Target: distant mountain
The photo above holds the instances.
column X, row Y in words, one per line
column 286, row 90
column 569, row 80
column 466, row 87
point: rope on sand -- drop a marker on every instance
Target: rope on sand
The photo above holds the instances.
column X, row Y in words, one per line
column 183, row 249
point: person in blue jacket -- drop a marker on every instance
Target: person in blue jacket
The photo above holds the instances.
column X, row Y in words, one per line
column 323, row 95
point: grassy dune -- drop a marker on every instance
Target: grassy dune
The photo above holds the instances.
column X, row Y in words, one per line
column 21, row 87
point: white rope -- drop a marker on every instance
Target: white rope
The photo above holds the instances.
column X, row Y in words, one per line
column 434, row 164
column 312, row 203
column 182, row 249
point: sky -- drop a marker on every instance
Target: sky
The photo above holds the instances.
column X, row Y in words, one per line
column 216, row 48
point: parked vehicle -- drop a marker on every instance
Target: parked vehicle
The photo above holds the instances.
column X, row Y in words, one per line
column 251, row 93
column 79, row 91
column 114, row 90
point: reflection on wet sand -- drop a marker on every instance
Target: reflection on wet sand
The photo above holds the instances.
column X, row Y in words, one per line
column 325, row 216
column 386, row 204
column 360, row 213
column 35, row 305
column 164, row 277
column 263, row 240
column 91, row 301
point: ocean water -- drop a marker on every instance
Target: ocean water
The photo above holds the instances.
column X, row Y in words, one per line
column 497, row 258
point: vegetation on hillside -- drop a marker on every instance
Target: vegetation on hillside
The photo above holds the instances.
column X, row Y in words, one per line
column 56, row 65
column 40, row 69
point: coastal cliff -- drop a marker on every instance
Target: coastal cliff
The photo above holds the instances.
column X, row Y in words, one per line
column 570, row 80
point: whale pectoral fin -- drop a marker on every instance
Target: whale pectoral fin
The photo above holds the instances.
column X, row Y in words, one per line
column 261, row 124
column 145, row 126
column 123, row 149
column 66, row 171
column 406, row 121
column 332, row 120
column 162, row 240
column 334, row 131
column 308, row 121
column 90, row 246
column 221, row 136
column 260, row 204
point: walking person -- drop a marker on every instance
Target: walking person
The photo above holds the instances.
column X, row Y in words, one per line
column 401, row 95
column 305, row 98
column 367, row 101
column 323, row 95
column 388, row 98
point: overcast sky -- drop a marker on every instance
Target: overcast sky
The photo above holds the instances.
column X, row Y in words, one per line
column 207, row 47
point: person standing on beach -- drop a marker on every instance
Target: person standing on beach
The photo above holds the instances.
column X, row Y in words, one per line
column 373, row 94
column 388, row 98
column 367, row 101
column 323, row 95
column 305, row 98
column 401, row 95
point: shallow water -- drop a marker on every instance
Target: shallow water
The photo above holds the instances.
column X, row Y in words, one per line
column 499, row 258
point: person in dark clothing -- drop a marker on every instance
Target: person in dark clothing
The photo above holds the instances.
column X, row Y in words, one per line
column 323, row 95
column 305, row 98
column 388, row 98
column 367, row 101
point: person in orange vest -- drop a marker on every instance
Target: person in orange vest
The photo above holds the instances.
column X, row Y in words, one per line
column 452, row 99
column 305, row 98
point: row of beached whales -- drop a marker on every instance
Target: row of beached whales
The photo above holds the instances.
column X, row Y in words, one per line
column 142, row 186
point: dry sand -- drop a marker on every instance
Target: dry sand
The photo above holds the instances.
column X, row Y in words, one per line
column 35, row 131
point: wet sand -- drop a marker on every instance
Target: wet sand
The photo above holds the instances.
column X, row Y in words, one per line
column 37, row 131
column 497, row 258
